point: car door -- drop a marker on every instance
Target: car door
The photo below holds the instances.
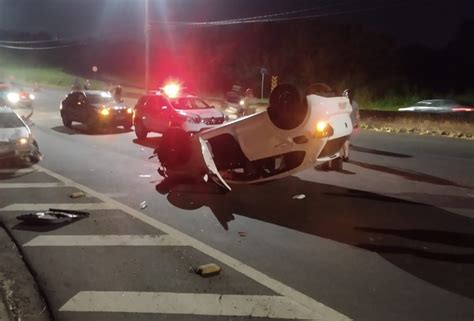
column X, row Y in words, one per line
column 69, row 106
column 82, row 109
column 158, row 114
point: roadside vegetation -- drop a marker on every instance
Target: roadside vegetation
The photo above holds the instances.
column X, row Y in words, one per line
column 384, row 74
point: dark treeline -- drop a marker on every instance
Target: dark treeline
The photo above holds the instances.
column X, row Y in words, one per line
column 212, row 59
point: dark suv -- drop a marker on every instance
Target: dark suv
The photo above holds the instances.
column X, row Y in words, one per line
column 96, row 109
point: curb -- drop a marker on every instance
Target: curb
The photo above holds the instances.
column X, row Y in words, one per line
column 20, row 296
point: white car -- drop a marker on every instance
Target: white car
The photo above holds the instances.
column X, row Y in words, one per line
column 291, row 135
column 16, row 141
column 159, row 111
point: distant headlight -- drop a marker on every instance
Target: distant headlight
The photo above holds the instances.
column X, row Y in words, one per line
column 242, row 102
column 104, row 112
column 22, row 141
column 13, row 97
column 129, row 110
column 32, row 97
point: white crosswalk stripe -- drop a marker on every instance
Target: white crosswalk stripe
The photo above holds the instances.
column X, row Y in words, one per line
column 19, row 170
column 103, row 240
column 31, row 185
column 273, row 307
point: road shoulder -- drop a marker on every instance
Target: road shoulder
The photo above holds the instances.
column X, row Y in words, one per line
column 20, row 297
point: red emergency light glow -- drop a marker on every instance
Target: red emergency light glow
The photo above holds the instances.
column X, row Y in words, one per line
column 172, row 90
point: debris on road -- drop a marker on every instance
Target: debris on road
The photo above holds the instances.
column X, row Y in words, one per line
column 77, row 195
column 299, row 197
column 242, row 234
column 143, row 205
column 145, row 176
column 52, row 216
column 206, row 270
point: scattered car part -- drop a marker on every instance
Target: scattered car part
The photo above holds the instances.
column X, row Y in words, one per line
column 77, row 195
column 207, row 270
column 52, row 216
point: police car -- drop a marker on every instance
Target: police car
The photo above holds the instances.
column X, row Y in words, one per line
column 168, row 108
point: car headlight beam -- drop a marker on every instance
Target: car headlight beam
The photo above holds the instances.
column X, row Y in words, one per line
column 22, row 141
column 13, row 97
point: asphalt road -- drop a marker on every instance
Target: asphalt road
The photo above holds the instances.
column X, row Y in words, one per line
column 389, row 238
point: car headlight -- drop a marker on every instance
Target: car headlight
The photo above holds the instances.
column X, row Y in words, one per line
column 22, row 141
column 13, row 97
column 129, row 110
column 242, row 102
column 104, row 112
column 32, row 97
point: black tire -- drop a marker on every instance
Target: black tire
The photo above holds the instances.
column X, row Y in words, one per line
column 66, row 122
column 175, row 148
column 140, row 131
column 286, row 111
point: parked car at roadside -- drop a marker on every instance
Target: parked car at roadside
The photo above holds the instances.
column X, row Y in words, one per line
column 97, row 109
column 16, row 140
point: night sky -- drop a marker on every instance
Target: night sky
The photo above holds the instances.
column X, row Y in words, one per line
column 428, row 22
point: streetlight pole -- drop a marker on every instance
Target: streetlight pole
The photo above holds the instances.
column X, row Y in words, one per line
column 147, row 46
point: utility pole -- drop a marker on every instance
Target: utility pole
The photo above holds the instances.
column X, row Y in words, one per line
column 147, row 46
column 263, row 71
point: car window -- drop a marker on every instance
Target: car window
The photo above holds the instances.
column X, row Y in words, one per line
column 189, row 103
column 142, row 101
column 10, row 120
column 156, row 102
column 424, row 103
column 96, row 99
column 71, row 98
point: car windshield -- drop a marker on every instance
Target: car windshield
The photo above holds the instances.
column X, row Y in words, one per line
column 99, row 99
column 189, row 103
column 10, row 120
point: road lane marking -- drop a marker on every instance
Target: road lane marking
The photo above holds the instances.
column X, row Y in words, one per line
column 31, row 185
column 104, row 240
column 320, row 311
column 19, row 170
column 273, row 307
column 63, row 206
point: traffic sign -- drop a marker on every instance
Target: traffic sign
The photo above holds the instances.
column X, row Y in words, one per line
column 274, row 82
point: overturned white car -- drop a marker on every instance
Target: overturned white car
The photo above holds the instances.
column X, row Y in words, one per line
column 290, row 136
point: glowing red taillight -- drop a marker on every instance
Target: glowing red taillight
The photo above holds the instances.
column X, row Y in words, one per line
column 463, row 109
